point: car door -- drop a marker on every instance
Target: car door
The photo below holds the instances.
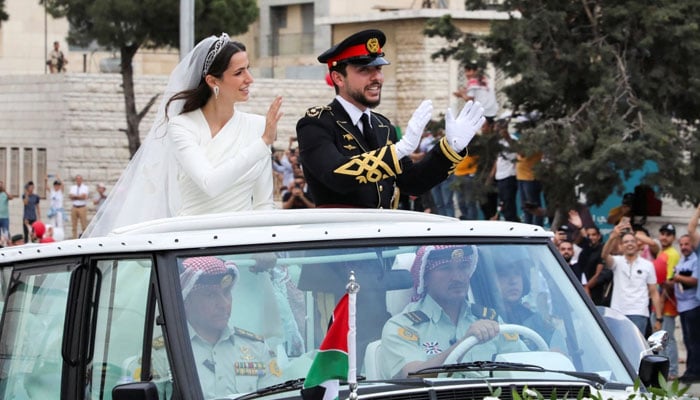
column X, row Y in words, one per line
column 75, row 328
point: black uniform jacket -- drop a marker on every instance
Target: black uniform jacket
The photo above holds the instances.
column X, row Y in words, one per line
column 342, row 169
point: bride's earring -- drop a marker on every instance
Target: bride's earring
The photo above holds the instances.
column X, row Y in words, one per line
column 216, row 92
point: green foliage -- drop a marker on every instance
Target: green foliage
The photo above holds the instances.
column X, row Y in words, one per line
column 614, row 83
column 666, row 390
column 149, row 23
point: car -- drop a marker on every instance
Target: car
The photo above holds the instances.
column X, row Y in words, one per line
column 112, row 317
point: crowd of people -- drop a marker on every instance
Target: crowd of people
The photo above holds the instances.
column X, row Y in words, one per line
column 643, row 277
column 203, row 155
column 51, row 227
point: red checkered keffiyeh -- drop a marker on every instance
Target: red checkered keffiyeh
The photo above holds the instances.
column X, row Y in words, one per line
column 431, row 257
column 200, row 272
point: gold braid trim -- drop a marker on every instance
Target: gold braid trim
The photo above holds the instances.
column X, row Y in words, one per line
column 397, row 164
column 448, row 152
column 370, row 167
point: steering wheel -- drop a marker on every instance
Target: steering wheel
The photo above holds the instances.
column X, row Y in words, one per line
column 458, row 353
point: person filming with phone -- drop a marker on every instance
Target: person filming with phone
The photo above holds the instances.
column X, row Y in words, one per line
column 634, row 278
column 298, row 195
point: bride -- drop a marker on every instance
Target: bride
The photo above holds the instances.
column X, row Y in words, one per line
column 201, row 154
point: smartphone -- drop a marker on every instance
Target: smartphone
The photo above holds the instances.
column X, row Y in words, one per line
column 625, row 222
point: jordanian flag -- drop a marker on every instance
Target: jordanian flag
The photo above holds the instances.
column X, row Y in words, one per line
column 333, row 358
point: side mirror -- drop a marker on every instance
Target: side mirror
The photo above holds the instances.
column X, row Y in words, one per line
column 138, row 391
column 650, row 367
column 657, row 341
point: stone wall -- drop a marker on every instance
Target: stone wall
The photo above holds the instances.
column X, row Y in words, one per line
column 79, row 120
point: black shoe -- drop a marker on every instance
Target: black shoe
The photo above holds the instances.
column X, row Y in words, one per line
column 689, row 379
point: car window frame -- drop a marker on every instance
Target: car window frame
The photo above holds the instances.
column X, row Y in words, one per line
column 176, row 322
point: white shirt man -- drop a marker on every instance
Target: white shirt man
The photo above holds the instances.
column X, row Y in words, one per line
column 631, row 276
column 78, row 194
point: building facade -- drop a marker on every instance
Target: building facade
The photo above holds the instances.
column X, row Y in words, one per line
column 69, row 124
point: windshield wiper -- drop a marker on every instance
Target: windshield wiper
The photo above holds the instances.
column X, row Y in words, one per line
column 283, row 387
column 278, row 388
column 505, row 366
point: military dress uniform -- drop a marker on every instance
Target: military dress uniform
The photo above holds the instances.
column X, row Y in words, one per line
column 240, row 362
column 423, row 331
column 348, row 168
column 343, row 169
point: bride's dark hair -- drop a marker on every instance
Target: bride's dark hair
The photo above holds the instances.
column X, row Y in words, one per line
column 197, row 97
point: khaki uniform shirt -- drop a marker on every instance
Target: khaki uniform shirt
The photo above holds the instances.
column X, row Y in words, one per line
column 423, row 331
column 240, row 362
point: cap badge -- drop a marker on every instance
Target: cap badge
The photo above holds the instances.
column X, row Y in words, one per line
column 373, row 45
column 226, row 281
column 457, row 254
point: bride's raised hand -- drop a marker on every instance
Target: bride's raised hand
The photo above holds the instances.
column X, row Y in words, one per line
column 273, row 117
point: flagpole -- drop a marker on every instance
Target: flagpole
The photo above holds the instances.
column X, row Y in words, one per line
column 352, row 288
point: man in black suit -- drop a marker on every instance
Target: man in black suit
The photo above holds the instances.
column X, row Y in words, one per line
column 351, row 156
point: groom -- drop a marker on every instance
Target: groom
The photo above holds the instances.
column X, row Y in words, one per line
column 351, row 156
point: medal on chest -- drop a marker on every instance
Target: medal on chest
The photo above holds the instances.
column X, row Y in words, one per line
column 432, row 348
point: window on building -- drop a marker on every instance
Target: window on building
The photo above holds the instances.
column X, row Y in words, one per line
column 291, row 29
column 21, row 165
column 279, row 17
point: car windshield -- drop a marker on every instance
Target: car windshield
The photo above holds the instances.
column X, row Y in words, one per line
column 257, row 319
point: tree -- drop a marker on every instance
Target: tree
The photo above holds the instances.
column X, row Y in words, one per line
column 128, row 25
column 613, row 84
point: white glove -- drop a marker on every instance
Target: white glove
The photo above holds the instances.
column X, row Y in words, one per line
column 416, row 125
column 460, row 131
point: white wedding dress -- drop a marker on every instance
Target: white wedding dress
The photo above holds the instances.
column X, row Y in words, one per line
column 231, row 171
column 181, row 170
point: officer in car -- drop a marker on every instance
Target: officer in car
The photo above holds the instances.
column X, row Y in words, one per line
column 229, row 360
column 439, row 316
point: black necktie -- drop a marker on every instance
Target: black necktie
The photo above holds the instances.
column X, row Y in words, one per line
column 368, row 132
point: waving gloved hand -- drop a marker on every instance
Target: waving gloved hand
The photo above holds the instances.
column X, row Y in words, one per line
column 416, row 125
column 460, row 131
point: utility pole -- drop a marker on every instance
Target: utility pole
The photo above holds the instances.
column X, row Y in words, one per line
column 46, row 40
column 186, row 27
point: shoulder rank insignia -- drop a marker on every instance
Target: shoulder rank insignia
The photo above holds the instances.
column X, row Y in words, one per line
column 316, row 111
column 417, row 317
column 247, row 334
column 408, row 334
column 158, row 343
column 482, row 312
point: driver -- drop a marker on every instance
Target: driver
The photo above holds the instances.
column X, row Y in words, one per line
column 439, row 316
column 228, row 360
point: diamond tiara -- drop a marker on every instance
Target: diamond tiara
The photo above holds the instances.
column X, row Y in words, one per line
column 215, row 50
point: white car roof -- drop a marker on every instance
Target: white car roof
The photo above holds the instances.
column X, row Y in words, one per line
column 272, row 226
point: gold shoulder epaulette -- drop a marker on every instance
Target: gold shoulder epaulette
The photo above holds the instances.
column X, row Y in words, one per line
column 316, row 112
column 247, row 334
column 417, row 317
column 158, row 343
column 483, row 312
